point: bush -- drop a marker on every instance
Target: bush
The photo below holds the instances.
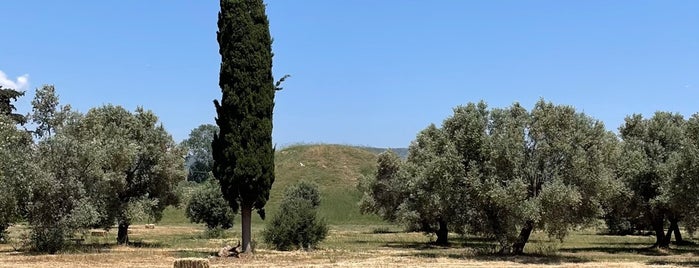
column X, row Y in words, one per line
column 48, row 239
column 208, row 206
column 303, row 190
column 297, row 225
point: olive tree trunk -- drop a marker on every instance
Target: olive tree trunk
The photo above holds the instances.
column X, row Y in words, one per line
column 518, row 246
column 674, row 228
column 123, row 233
column 443, row 233
column 660, row 241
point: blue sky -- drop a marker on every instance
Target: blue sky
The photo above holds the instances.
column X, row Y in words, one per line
column 364, row 72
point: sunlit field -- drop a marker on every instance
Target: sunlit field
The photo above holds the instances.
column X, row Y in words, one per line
column 351, row 246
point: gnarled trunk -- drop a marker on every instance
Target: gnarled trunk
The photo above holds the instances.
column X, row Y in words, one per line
column 674, row 228
column 660, row 241
column 518, row 246
column 246, row 214
column 443, row 233
column 123, row 233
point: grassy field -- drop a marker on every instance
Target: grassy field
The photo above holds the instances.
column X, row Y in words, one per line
column 354, row 240
column 356, row 246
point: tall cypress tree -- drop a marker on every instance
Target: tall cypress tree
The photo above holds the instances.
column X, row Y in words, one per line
column 242, row 150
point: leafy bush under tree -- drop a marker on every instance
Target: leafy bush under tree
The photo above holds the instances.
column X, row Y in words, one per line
column 297, row 224
column 208, row 206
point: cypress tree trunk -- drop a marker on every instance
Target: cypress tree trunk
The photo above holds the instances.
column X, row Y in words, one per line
column 246, row 214
column 518, row 246
column 443, row 234
column 123, row 233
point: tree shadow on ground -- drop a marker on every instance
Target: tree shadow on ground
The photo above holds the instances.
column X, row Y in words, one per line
column 67, row 249
column 147, row 244
column 694, row 263
column 539, row 259
column 480, row 249
column 482, row 244
column 635, row 248
column 531, row 258
column 195, row 254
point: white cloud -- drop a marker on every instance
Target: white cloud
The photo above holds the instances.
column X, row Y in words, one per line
column 20, row 83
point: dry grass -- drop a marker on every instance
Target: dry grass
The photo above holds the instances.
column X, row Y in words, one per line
column 357, row 246
column 127, row 257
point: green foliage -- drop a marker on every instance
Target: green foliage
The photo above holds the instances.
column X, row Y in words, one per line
column 684, row 183
column 139, row 160
column 297, row 223
column 16, row 173
column 208, row 206
column 550, row 168
column 7, row 96
column 199, row 157
column 658, row 166
column 96, row 169
column 385, row 191
column 46, row 113
column 48, row 239
column 8, row 211
column 501, row 173
column 303, row 190
column 242, row 150
column 435, row 185
column 59, row 207
column 622, row 215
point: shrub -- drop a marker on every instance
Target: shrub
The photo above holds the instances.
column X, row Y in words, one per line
column 303, row 190
column 48, row 239
column 297, row 224
column 208, row 206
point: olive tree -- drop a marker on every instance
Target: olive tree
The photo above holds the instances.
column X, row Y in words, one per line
column 141, row 164
column 562, row 172
column 651, row 154
column 15, row 173
column 505, row 172
column 108, row 165
column 384, row 191
column 684, row 184
column 18, row 170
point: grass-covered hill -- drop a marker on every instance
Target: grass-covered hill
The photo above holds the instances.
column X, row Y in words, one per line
column 335, row 168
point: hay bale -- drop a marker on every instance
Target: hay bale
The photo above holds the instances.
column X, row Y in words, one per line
column 150, row 226
column 98, row 233
column 191, row 263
